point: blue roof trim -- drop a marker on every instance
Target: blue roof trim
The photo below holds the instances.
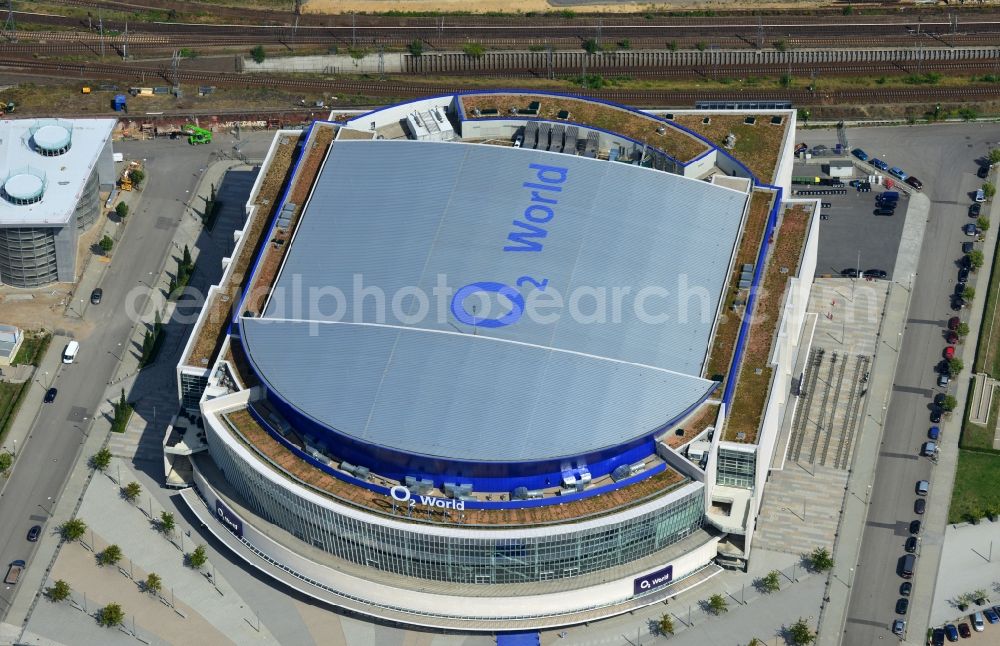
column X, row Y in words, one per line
column 469, row 504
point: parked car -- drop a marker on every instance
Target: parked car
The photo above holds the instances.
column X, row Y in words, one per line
column 850, row 272
column 914, row 527
column 906, row 588
column 977, row 622
column 970, row 229
column 975, row 209
column 963, row 275
column 939, row 399
column 965, row 261
column 928, row 449
column 34, row 533
column 983, row 172
column 50, row 395
column 933, row 433
column 991, row 615
column 884, row 211
column 951, row 632
column 914, row 182
column 935, row 415
column 943, row 379
column 96, row 296
column 949, row 352
column 953, row 323
column 957, row 303
column 888, row 197
column 899, row 627
column 879, row 164
column 967, row 247
column 876, row 273
column 959, row 289
column 923, row 486
column 963, row 630
column 937, row 637
column 902, row 605
column 911, row 545
column 898, row 172
column 951, row 337
column 919, row 506
column 980, row 195
column 860, row 154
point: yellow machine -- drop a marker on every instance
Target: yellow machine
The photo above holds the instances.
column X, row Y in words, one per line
column 125, row 182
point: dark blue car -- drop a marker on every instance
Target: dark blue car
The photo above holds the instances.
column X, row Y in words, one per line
column 951, row 632
column 860, row 154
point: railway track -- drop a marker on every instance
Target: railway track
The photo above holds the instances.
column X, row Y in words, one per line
column 395, row 89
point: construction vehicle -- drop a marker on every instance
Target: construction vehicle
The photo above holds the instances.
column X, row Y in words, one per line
column 8, row 108
column 197, row 135
column 125, row 182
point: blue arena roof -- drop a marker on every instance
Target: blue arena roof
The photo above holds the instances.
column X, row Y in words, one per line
column 504, row 371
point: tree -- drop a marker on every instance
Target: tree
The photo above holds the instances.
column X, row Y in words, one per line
column 983, row 223
column 755, row 642
column 994, row 156
column 591, row 46
column 781, row 45
column 955, row 366
column 110, row 615
column 258, row 54
column 963, row 329
column 58, row 591
column 717, row 604
column 800, row 633
column 820, row 559
column 167, row 523
column 132, row 491
column 976, row 259
column 771, row 582
column 101, row 460
column 665, row 625
column 110, row 556
column 969, row 293
column 6, row 462
column 197, row 558
column 121, row 210
column 949, row 404
column 416, row 48
column 137, row 176
column 672, row 45
column 73, row 529
column 624, row 43
column 106, row 244
column 153, row 584
column 186, row 258
column 989, row 189
column 474, row 50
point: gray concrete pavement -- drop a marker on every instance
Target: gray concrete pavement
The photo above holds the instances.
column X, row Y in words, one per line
column 62, row 435
column 944, row 157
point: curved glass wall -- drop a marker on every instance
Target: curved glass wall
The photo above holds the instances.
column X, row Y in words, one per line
column 457, row 557
column 28, row 256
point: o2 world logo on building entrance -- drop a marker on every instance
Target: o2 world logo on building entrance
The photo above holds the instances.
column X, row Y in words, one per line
column 401, row 493
column 649, row 582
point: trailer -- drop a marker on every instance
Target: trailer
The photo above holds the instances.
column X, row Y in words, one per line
column 14, row 572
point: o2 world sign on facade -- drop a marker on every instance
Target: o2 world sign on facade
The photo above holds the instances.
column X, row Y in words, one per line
column 653, row 580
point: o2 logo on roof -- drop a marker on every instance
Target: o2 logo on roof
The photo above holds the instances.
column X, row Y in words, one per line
column 526, row 236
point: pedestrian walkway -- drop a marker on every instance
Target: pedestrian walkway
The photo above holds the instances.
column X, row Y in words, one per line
column 801, row 509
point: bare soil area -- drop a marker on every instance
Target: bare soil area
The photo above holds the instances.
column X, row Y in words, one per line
column 515, row 6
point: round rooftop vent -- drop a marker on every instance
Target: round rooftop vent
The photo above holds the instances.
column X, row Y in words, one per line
column 23, row 188
column 52, row 140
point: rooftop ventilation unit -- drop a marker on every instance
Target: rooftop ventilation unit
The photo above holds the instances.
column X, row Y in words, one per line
column 51, row 138
column 23, row 186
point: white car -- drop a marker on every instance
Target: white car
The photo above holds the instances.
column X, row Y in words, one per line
column 977, row 621
column 980, row 195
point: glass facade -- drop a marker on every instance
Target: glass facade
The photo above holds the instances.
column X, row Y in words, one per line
column 510, row 557
column 89, row 205
column 736, row 467
column 28, row 256
column 192, row 388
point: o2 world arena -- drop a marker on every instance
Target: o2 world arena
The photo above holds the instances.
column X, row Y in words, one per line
column 471, row 360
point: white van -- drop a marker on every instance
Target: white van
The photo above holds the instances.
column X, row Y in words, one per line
column 69, row 354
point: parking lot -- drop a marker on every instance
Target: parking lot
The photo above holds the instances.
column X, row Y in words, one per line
column 850, row 230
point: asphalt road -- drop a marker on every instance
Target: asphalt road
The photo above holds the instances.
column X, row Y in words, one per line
column 944, row 158
column 45, row 460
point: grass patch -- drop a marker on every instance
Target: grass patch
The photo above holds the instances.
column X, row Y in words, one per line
column 32, row 348
column 10, row 401
column 977, row 486
column 988, row 348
